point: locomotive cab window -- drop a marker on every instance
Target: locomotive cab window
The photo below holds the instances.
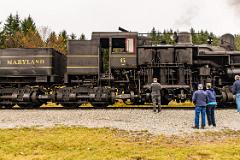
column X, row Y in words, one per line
column 130, row 45
column 120, row 45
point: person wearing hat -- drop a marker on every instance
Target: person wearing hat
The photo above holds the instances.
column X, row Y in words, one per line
column 236, row 91
column 199, row 98
column 211, row 105
column 156, row 95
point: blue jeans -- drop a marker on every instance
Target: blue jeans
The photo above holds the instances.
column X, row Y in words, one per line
column 238, row 101
column 211, row 115
column 198, row 110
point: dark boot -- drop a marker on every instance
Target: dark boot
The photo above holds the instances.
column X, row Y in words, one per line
column 159, row 108
column 195, row 127
column 154, row 107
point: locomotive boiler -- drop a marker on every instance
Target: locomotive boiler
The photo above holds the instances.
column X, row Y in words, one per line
column 116, row 65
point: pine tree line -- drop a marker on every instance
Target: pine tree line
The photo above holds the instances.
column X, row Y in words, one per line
column 23, row 33
column 198, row 37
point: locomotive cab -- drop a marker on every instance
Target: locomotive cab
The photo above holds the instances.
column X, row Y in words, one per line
column 117, row 58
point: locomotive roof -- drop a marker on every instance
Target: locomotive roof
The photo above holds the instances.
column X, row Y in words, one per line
column 112, row 34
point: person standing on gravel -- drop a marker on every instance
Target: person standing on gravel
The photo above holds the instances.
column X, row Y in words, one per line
column 156, row 95
column 236, row 91
column 199, row 98
column 211, row 105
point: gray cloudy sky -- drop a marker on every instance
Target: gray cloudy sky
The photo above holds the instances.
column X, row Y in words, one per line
column 85, row 16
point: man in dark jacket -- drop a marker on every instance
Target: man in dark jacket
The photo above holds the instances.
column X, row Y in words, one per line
column 199, row 98
column 211, row 105
column 156, row 95
column 236, row 91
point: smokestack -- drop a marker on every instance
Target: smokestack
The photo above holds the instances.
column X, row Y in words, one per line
column 228, row 42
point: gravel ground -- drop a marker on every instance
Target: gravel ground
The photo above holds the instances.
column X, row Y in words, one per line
column 168, row 122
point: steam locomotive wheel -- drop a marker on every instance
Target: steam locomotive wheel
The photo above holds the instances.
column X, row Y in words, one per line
column 139, row 101
column 7, row 106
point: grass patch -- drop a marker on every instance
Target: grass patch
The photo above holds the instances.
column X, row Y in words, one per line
column 70, row 143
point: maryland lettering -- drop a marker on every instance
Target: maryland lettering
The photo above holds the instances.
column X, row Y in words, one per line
column 25, row 61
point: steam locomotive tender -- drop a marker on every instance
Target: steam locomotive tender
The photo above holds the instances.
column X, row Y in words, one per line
column 115, row 65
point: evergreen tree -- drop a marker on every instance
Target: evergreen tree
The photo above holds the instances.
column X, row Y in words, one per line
column 1, row 37
column 30, row 35
column 154, row 36
column 10, row 33
column 58, row 42
column 194, row 36
column 215, row 39
column 167, row 37
column 64, row 35
column 73, row 36
column 28, row 25
column 162, row 38
column 51, row 40
column 12, row 25
column 62, row 42
column 82, row 37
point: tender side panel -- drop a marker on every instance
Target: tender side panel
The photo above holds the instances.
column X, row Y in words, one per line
column 22, row 62
column 82, row 57
column 39, row 65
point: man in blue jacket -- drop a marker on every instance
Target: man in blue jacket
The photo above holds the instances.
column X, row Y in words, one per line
column 236, row 91
column 211, row 105
column 199, row 98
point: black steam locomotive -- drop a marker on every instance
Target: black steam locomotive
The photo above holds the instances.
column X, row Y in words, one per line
column 115, row 65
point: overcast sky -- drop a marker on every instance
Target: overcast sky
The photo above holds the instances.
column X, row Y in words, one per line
column 85, row 16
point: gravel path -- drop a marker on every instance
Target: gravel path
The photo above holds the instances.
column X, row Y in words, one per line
column 168, row 122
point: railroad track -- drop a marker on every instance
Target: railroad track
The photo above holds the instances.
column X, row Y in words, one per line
column 88, row 106
column 111, row 108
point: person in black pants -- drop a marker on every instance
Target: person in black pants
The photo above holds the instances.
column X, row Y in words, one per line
column 211, row 105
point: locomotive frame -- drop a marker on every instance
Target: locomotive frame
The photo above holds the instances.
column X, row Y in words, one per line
column 116, row 65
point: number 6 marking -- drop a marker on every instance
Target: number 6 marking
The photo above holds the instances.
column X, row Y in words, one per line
column 123, row 61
